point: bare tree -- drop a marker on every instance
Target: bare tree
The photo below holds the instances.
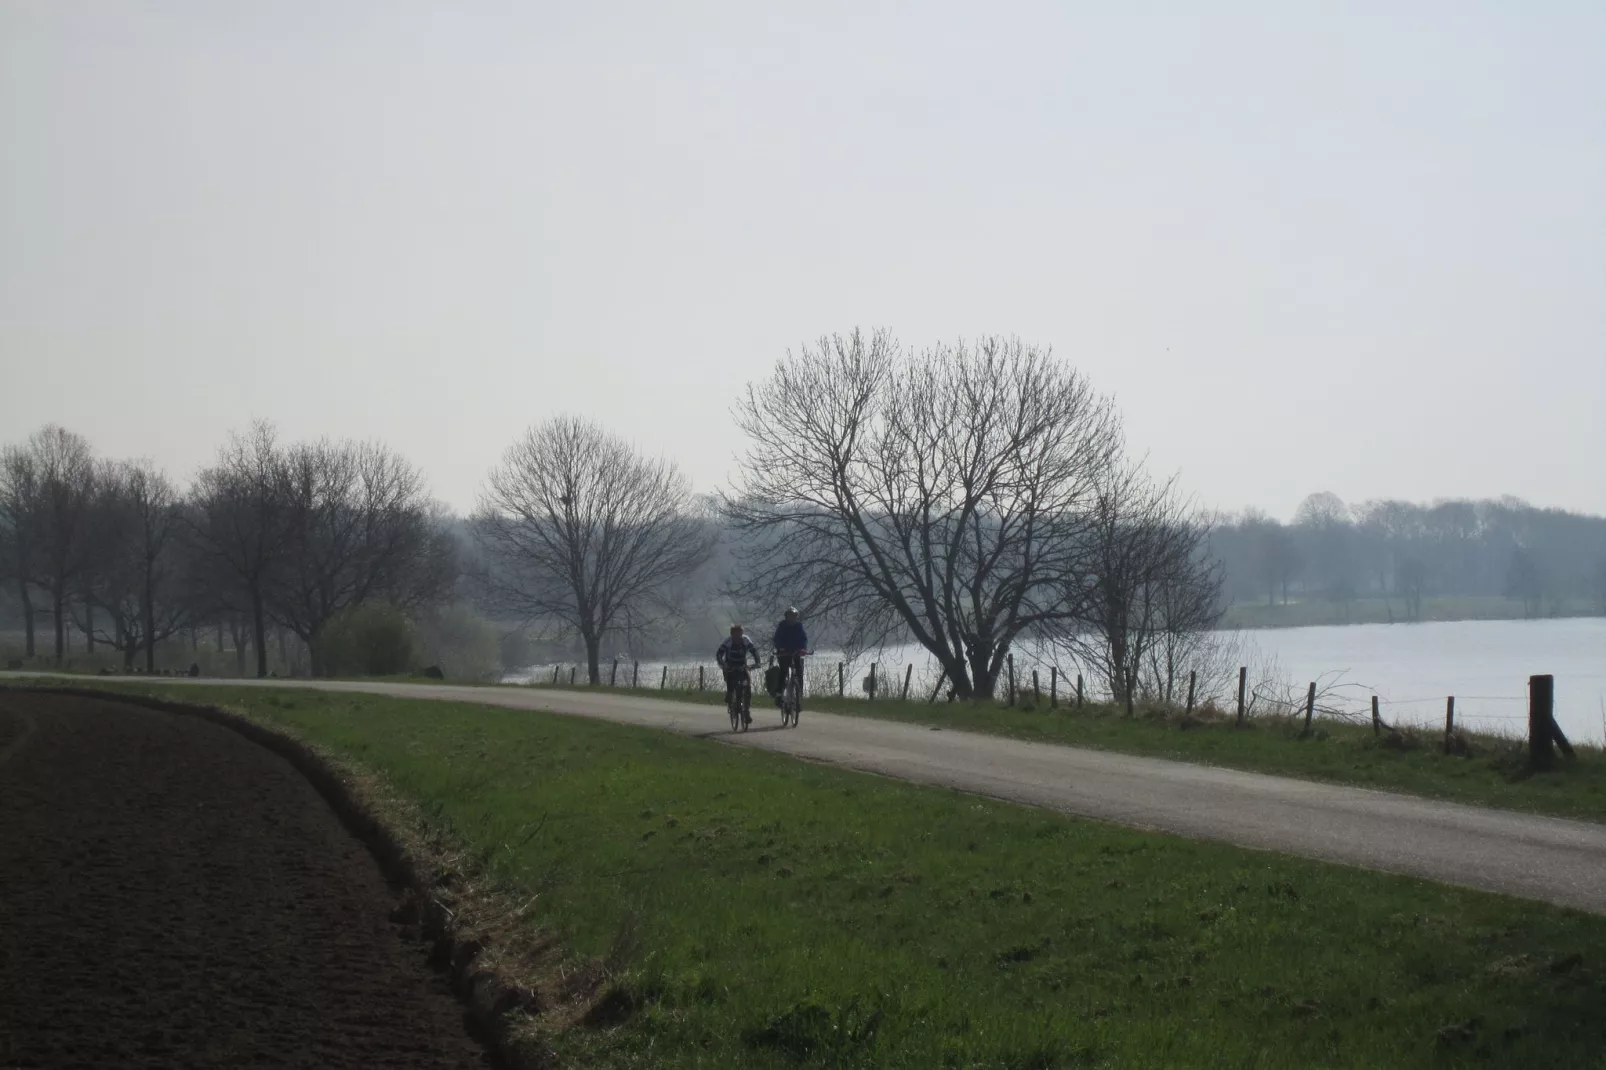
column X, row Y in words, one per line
column 1150, row 591
column 238, row 522
column 136, row 560
column 586, row 533
column 356, row 526
column 56, row 517
column 938, row 495
column 19, row 515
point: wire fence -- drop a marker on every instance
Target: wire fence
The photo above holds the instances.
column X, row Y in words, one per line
column 867, row 677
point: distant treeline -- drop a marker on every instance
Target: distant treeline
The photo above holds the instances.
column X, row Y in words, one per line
column 1549, row 560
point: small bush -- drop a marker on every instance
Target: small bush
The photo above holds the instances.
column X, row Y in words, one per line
column 370, row 640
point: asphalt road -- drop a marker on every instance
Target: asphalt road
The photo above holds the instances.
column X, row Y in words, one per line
column 1545, row 858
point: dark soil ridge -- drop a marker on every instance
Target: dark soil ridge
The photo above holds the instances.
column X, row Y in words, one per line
column 495, row 1004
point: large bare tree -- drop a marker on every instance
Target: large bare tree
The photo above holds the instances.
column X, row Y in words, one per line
column 237, row 522
column 57, row 481
column 939, row 494
column 357, row 525
column 19, row 515
column 586, row 533
column 136, row 560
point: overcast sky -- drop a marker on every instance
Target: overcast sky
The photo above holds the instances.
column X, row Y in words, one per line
column 1306, row 248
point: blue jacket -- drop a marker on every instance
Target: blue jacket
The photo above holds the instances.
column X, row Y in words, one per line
column 789, row 635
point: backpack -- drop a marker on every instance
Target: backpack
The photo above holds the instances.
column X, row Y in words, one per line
column 774, row 679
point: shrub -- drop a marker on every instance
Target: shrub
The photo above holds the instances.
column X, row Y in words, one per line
column 369, row 640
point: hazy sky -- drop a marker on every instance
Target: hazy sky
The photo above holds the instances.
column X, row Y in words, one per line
column 1306, row 248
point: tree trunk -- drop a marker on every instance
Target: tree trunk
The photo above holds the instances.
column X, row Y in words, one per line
column 593, row 659
column 148, row 616
column 59, row 604
column 259, row 632
column 27, row 613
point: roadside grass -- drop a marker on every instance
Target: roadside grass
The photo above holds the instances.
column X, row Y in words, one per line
column 757, row 911
column 1312, row 612
column 1482, row 770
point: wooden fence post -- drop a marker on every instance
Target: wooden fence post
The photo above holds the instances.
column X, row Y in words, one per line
column 1449, row 721
column 1541, row 713
column 663, row 681
column 555, row 671
column 635, row 675
column 940, row 678
column 1243, row 679
column 1078, row 690
column 1310, row 707
column 1037, row 692
column 701, row 683
column 871, row 692
column 613, row 675
column 841, row 680
column 1192, row 678
column 1377, row 721
column 1053, row 686
column 907, row 675
column 571, row 675
column 1010, row 657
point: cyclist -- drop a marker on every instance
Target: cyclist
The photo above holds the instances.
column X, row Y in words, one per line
column 790, row 640
column 732, row 657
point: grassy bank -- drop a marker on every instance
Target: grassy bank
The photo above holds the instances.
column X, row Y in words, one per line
column 1315, row 611
column 763, row 912
column 1481, row 770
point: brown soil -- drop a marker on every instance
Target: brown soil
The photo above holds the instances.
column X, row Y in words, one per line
column 173, row 895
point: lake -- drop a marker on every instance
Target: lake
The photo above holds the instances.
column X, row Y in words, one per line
column 1411, row 668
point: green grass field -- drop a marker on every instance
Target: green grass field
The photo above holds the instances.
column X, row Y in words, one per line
column 773, row 913
column 1485, row 771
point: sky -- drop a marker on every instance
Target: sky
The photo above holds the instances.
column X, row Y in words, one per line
column 1305, row 246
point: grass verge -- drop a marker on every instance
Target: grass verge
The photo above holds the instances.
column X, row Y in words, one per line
column 754, row 911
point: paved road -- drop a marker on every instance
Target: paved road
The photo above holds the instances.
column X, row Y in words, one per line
column 1545, row 858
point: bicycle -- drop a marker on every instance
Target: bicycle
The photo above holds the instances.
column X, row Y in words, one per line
column 792, row 691
column 739, row 700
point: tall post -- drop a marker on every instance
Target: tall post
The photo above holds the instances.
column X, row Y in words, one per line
column 555, row 670
column 1010, row 658
column 1449, row 721
column 942, row 676
column 613, row 675
column 663, row 681
column 1243, row 680
column 872, row 682
column 1053, row 686
column 1078, row 690
column 1193, row 676
column 635, row 675
column 908, row 674
column 841, row 680
column 1310, row 707
column 1037, row 692
column 700, row 681
column 571, row 675
column 1377, row 720
column 1541, row 703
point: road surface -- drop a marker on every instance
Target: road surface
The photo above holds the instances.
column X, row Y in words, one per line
column 1545, row 858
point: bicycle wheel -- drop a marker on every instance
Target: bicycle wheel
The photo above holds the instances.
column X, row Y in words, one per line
column 744, row 704
column 733, row 706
